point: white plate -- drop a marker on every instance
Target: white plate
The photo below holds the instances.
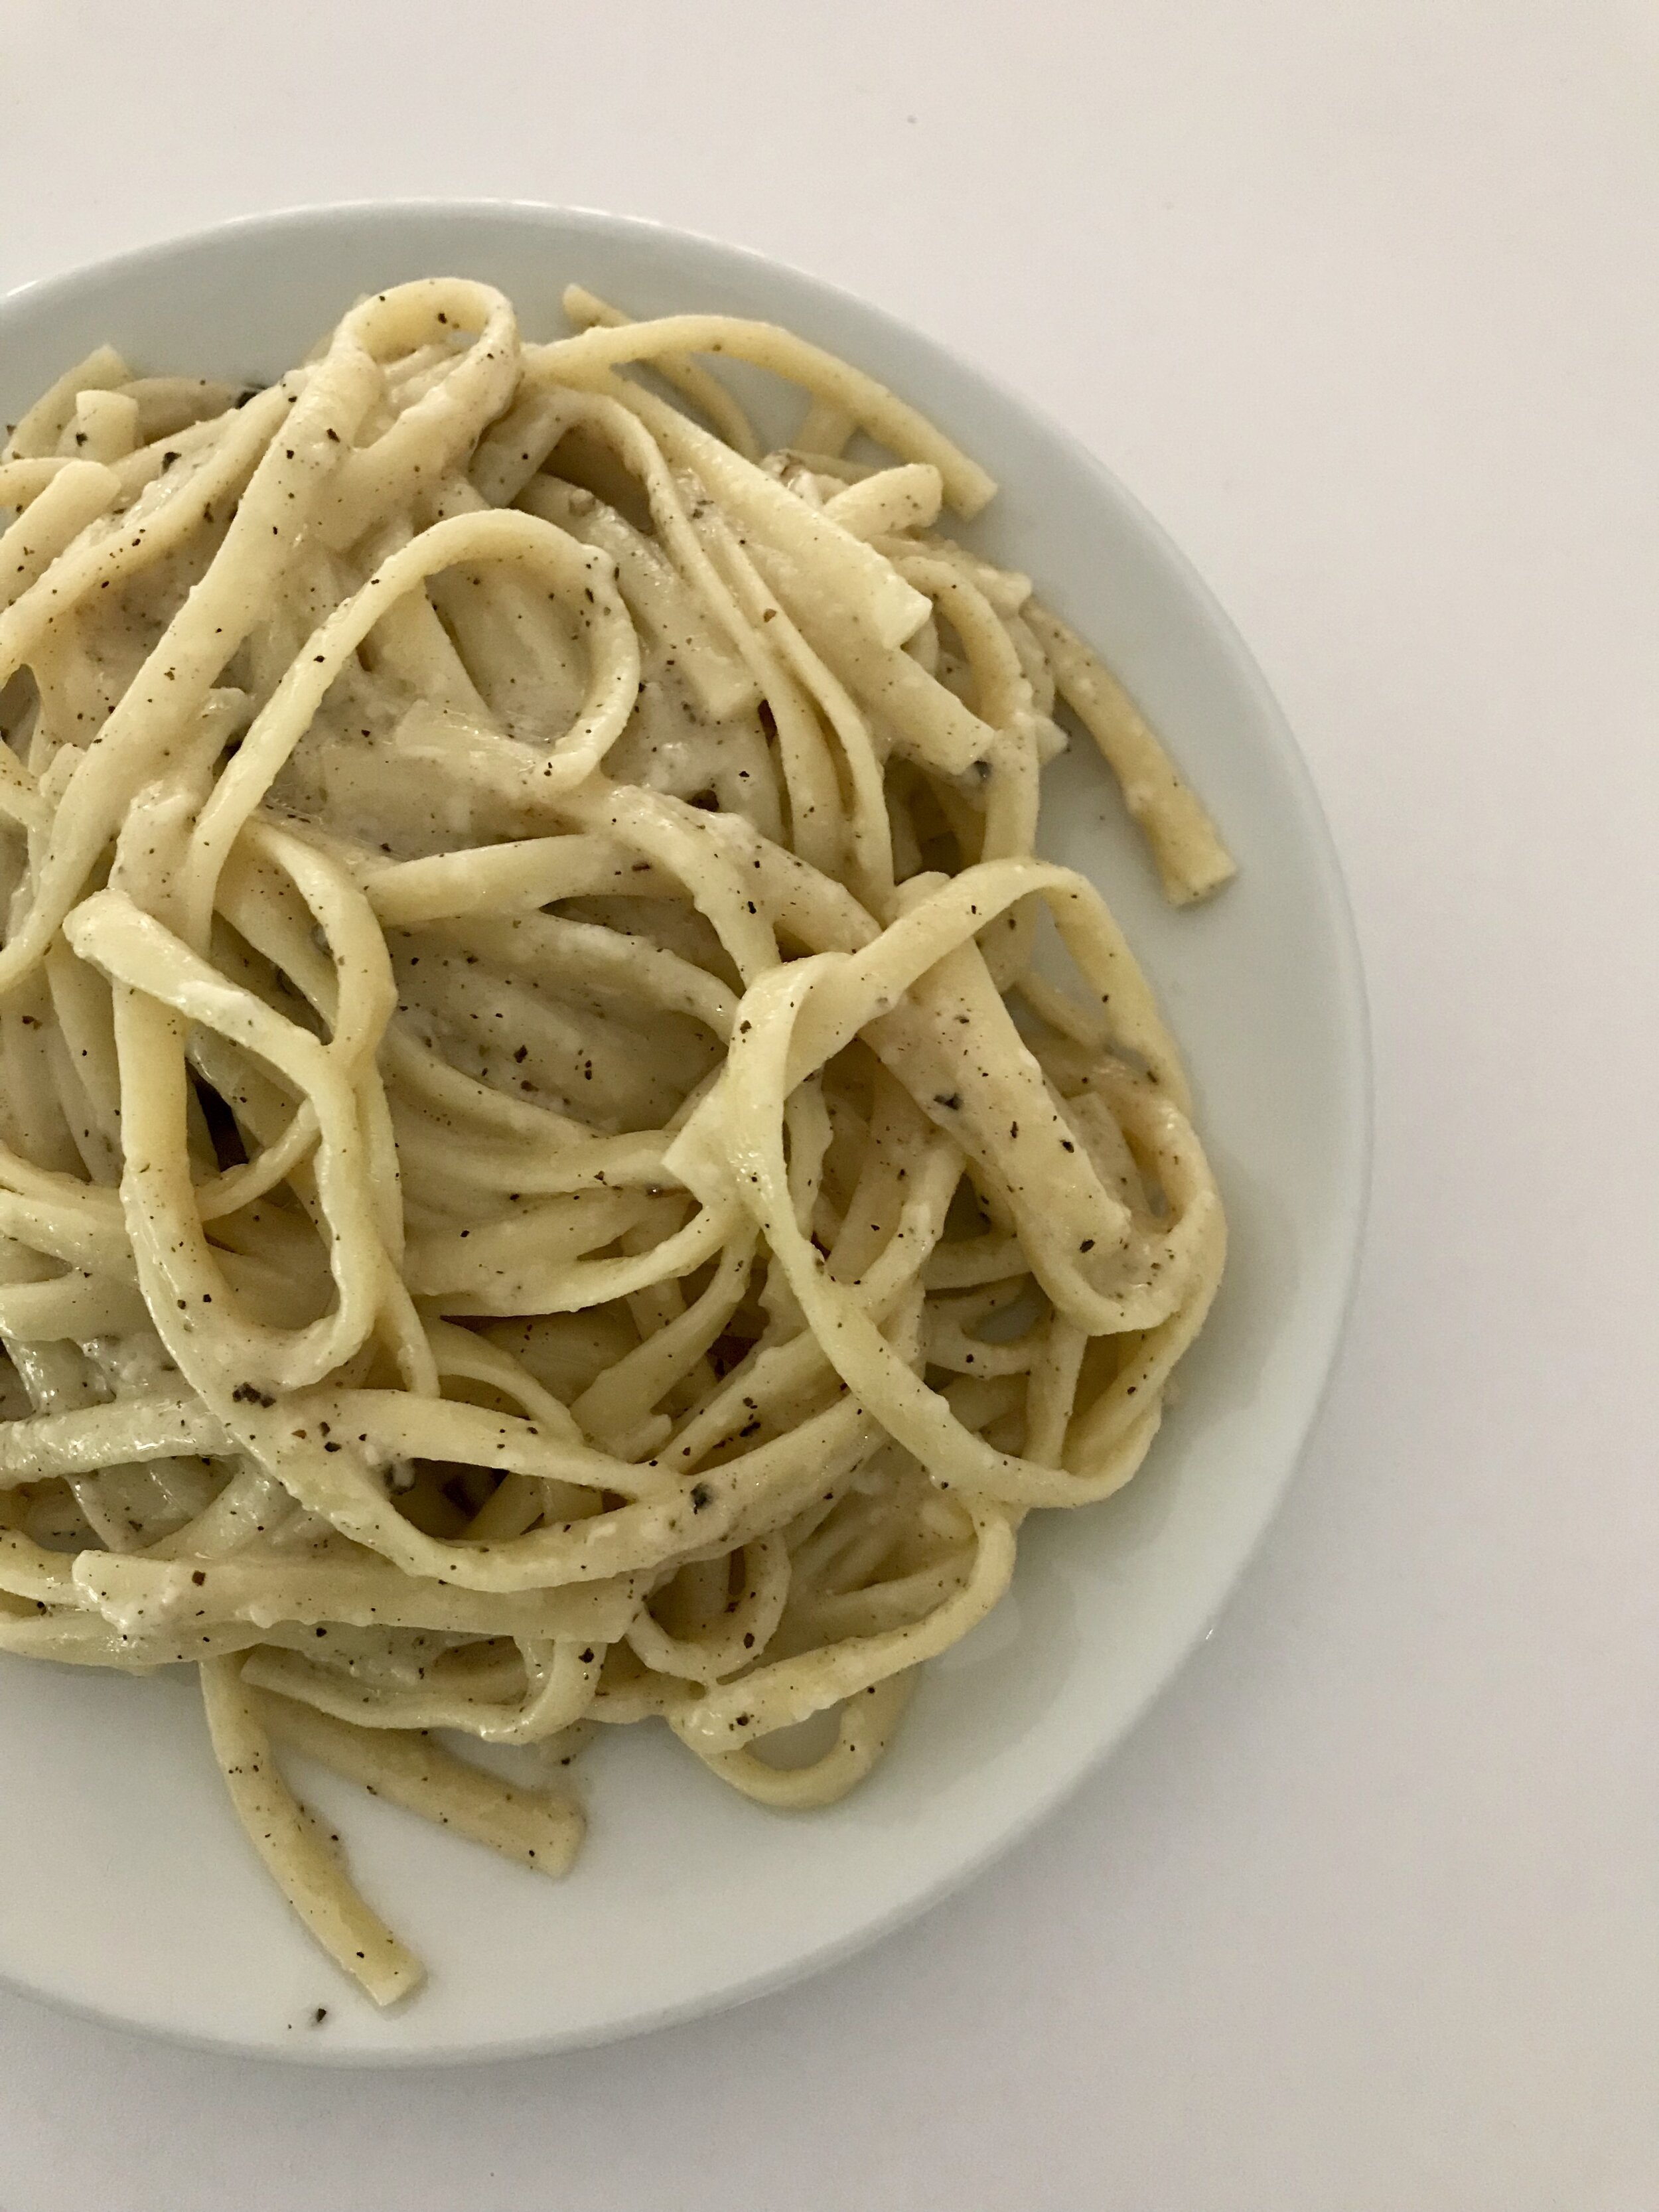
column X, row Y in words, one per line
column 125, row 1889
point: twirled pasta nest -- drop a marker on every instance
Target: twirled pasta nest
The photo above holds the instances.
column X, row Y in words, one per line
column 541, row 1184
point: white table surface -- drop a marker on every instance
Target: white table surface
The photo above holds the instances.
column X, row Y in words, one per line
column 1361, row 298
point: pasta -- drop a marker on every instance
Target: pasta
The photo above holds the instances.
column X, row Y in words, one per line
column 546, row 1180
